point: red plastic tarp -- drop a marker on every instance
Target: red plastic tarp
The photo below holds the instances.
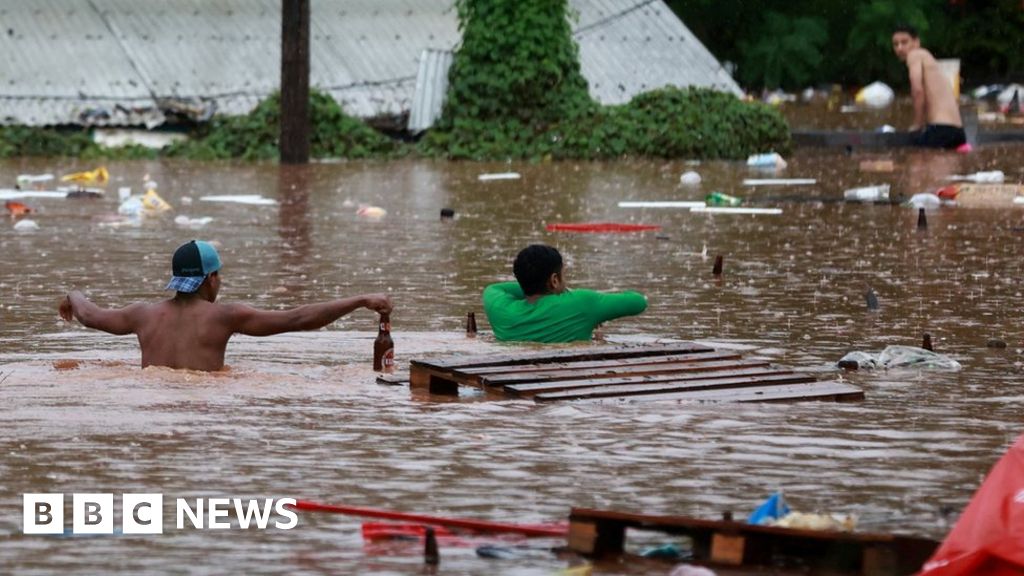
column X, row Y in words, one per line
column 989, row 537
column 601, row 227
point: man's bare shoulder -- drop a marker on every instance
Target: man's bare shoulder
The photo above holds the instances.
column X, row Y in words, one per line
column 919, row 55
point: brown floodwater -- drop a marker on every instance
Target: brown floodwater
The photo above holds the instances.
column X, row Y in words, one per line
column 300, row 415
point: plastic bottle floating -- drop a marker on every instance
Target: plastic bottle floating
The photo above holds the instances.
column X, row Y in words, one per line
column 371, row 212
column 771, row 160
column 97, row 176
column 34, row 180
column 722, row 199
column 690, row 178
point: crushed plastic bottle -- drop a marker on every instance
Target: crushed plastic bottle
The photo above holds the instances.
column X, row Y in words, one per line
column 770, row 160
column 878, row 193
column 721, row 199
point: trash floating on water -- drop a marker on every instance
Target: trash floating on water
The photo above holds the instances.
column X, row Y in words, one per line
column 877, row 166
column 886, row 129
column 924, row 200
column 148, row 204
column 988, row 195
column 186, row 222
column 499, row 176
column 965, row 148
column 99, row 176
column 771, row 509
column 33, row 179
column 251, row 199
column 875, row 95
column 447, row 213
column 371, row 212
column 16, row 209
column 992, row 176
column 735, row 210
column 661, row 204
column 807, row 521
column 117, row 221
column 779, row 181
column 601, row 227
column 26, row 225
column 89, row 193
column 15, row 194
column 902, row 357
column 871, row 299
column 879, row 193
column 717, row 198
column 771, row 160
column 690, row 178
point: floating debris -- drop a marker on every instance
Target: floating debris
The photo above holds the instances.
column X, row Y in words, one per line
column 252, row 199
column 499, row 176
column 662, row 204
column 779, row 181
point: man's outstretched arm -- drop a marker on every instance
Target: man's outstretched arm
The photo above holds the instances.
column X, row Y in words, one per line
column 255, row 322
column 118, row 321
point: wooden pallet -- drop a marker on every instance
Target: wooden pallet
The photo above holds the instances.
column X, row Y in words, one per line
column 685, row 371
column 602, row 534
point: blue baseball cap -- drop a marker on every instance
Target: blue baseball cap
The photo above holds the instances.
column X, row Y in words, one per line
column 191, row 264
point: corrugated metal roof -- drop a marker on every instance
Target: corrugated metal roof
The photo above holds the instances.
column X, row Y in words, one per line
column 118, row 62
column 626, row 50
column 431, row 87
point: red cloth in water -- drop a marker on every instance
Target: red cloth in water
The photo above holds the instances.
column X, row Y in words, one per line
column 989, row 537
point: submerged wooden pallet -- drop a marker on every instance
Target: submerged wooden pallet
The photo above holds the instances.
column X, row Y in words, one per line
column 685, row 371
column 602, row 533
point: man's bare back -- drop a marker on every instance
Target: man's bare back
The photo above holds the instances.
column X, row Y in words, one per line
column 191, row 331
column 936, row 112
column 940, row 106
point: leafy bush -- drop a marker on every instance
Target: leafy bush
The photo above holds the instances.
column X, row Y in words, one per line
column 255, row 136
column 515, row 91
column 33, row 141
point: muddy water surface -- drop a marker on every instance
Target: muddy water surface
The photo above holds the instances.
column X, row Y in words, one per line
column 300, row 415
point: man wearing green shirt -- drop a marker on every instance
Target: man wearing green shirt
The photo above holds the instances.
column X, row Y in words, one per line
column 538, row 307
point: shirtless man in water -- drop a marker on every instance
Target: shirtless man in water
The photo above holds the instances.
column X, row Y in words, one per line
column 936, row 114
column 190, row 330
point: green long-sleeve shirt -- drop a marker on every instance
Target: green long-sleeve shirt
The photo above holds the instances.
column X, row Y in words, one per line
column 566, row 317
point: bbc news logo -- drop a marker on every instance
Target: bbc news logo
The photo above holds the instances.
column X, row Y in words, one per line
column 144, row 513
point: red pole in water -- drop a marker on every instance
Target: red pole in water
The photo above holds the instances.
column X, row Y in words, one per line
column 542, row 530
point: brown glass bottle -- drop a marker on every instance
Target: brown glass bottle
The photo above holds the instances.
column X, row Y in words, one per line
column 471, row 325
column 384, row 347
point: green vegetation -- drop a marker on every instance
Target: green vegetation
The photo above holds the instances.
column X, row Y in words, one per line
column 29, row 141
column 254, row 136
column 516, row 91
column 775, row 42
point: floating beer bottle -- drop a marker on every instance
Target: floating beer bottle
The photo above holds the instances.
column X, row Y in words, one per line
column 471, row 325
column 384, row 347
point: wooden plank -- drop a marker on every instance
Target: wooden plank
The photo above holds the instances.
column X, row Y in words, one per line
column 628, row 371
column 833, row 390
column 743, row 382
column 638, row 361
column 748, row 545
column 727, row 548
column 580, row 353
column 529, row 389
column 696, row 364
column 683, row 524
